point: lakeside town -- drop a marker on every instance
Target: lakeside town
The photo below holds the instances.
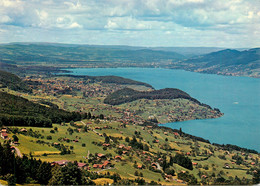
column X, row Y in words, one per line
column 79, row 94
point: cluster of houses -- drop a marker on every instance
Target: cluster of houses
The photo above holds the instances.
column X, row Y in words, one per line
column 65, row 162
column 57, row 85
column 105, row 162
column 4, row 134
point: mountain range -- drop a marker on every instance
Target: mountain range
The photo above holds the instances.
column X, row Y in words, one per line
column 236, row 62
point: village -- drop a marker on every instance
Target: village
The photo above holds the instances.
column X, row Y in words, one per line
column 130, row 150
column 81, row 95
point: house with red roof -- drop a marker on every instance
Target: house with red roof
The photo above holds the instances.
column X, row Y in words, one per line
column 101, row 155
column 118, row 158
column 60, row 163
column 4, row 135
column 98, row 166
column 82, row 166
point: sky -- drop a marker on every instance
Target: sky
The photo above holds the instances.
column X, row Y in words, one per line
column 169, row 23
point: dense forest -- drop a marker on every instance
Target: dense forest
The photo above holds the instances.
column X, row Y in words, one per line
column 18, row 111
column 127, row 95
column 13, row 82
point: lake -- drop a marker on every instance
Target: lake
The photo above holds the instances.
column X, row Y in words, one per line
column 236, row 97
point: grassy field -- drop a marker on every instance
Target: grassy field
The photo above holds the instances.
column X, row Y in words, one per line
column 86, row 138
column 207, row 165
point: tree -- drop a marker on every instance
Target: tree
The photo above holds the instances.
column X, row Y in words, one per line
column 146, row 147
column 49, row 138
column 170, row 171
column 101, row 116
column 183, row 161
column 44, row 173
column 11, row 180
column 107, row 139
column 15, row 138
column 68, row 175
column 89, row 115
column 57, row 176
column 256, row 177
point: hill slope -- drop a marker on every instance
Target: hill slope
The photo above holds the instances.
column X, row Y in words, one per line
column 226, row 62
column 127, row 95
column 229, row 57
column 18, row 111
column 22, row 53
column 13, row 82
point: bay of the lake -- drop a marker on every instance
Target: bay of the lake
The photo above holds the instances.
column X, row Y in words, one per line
column 237, row 97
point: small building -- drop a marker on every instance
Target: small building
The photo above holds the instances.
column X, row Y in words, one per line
column 121, row 146
column 194, row 163
column 101, row 155
column 204, row 176
column 82, row 166
column 106, row 164
column 4, row 135
column 60, row 163
column 23, row 130
column 154, row 165
column 176, row 133
column 118, row 157
column 98, row 166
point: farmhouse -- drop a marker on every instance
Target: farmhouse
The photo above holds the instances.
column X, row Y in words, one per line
column 60, row 163
column 82, row 166
column 4, row 135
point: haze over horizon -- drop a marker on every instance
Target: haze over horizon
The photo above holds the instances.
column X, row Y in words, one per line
column 149, row 23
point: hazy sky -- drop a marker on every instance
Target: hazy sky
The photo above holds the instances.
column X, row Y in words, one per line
column 221, row 23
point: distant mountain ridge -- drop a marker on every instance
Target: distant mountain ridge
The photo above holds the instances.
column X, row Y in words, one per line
column 224, row 62
column 214, row 60
column 59, row 53
column 228, row 57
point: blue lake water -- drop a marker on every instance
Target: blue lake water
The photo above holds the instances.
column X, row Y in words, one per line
column 237, row 97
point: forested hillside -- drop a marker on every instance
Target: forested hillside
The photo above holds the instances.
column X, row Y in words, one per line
column 13, row 82
column 225, row 62
column 228, row 57
column 127, row 95
column 18, row 111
